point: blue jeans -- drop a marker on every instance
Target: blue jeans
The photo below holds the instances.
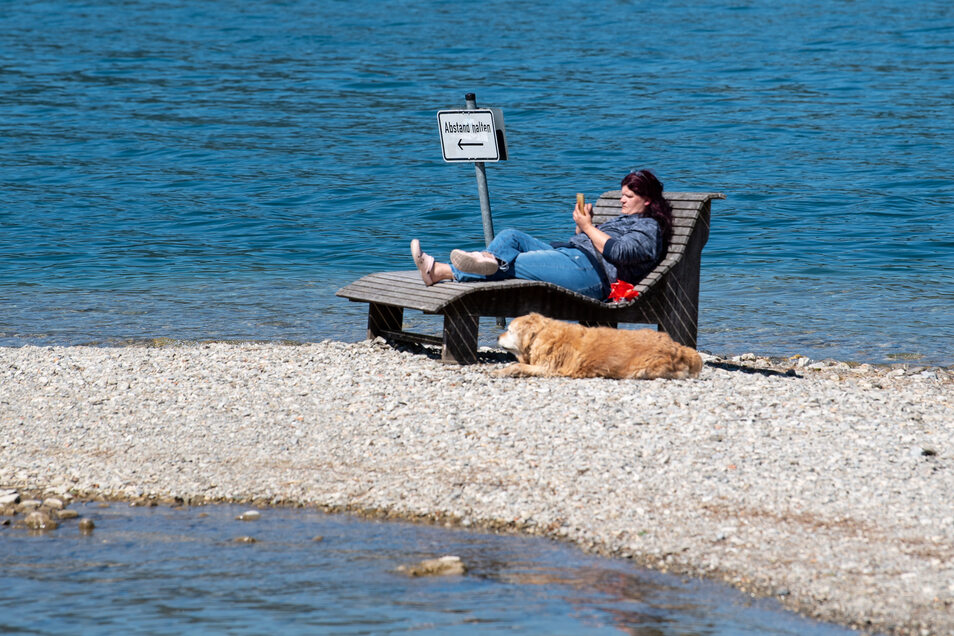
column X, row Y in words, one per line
column 525, row 257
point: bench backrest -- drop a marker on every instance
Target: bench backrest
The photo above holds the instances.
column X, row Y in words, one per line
column 690, row 211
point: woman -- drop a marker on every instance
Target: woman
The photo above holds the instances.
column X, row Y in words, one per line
column 624, row 248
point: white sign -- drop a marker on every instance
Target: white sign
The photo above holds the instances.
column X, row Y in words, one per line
column 471, row 135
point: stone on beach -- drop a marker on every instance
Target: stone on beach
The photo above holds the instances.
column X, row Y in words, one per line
column 442, row 566
column 37, row 520
column 28, row 505
column 52, row 503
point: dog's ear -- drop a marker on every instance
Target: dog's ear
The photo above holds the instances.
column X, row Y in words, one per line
column 530, row 327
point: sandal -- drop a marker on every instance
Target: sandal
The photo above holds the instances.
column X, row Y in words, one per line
column 424, row 262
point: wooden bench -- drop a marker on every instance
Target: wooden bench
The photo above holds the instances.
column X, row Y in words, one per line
column 668, row 296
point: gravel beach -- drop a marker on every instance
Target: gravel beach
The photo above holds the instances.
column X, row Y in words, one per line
column 827, row 485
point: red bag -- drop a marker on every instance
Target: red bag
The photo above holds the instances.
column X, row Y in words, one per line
column 621, row 290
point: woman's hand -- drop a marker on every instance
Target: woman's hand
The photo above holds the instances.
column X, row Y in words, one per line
column 584, row 224
column 583, row 218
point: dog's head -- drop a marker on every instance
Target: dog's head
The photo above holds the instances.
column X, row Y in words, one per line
column 520, row 334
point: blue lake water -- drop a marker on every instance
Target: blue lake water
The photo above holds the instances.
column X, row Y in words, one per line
column 198, row 170
column 162, row 571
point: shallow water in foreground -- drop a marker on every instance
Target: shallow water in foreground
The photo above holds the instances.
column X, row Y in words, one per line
column 152, row 570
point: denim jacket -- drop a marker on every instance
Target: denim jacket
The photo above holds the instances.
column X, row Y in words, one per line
column 634, row 248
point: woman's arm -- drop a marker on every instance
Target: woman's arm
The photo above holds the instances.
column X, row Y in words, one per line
column 639, row 245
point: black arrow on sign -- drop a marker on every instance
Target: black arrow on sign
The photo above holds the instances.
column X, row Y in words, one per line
column 461, row 144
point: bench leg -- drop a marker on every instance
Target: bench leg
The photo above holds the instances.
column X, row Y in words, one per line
column 382, row 318
column 681, row 327
column 679, row 315
column 460, row 338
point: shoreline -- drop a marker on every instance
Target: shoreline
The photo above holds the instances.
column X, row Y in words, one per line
column 823, row 484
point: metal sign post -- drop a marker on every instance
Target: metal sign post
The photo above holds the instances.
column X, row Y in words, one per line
column 481, row 172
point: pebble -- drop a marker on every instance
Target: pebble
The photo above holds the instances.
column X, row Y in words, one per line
column 37, row 520
column 52, row 503
column 825, row 484
column 28, row 505
column 442, row 566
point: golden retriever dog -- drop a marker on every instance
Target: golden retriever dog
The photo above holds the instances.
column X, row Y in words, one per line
column 546, row 348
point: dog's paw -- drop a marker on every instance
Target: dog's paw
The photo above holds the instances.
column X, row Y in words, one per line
column 506, row 372
column 519, row 370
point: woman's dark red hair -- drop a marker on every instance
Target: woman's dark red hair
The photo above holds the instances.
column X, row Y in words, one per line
column 645, row 184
